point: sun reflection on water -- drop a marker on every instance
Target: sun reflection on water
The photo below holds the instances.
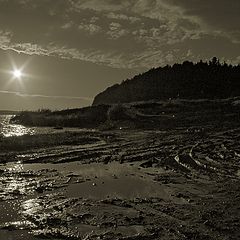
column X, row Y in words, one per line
column 15, row 184
column 16, row 167
column 16, row 191
column 31, row 206
column 9, row 130
column 16, row 130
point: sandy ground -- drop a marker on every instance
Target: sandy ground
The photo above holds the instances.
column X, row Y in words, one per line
column 126, row 184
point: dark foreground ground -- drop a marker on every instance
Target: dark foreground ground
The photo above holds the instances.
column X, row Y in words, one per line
column 178, row 183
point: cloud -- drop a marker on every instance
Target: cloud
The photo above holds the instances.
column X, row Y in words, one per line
column 90, row 28
column 27, row 48
column 218, row 13
column 121, row 16
column 67, row 25
column 116, row 31
column 45, row 96
column 119, row 33
column 5, row 38
column 100, row 5
column 94, row 19
column 215, row 16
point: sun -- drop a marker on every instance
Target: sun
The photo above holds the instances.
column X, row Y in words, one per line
column 17, row 73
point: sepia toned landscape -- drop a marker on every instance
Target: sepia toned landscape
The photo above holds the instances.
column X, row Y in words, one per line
column 119, row 120
column 175, row 177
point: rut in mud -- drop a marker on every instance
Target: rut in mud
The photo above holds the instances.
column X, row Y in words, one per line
column 179, row 184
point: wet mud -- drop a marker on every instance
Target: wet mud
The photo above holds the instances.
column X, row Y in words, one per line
column 126, row 184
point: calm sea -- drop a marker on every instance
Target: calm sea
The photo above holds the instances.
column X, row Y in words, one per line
column 7, row 129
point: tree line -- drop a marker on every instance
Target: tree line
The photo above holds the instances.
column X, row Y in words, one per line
column 188, row 80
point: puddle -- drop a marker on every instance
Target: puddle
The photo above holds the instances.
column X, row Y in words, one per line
column 86, row 231
column 16, row 235
column 120, row 187
column 12, row 224
column 92, row 169
column 99, row 180
column 9, row 211
column 95, row 181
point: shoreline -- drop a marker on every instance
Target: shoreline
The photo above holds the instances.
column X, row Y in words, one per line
column 154, row 174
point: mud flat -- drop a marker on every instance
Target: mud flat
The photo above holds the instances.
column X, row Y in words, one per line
column 124, row 184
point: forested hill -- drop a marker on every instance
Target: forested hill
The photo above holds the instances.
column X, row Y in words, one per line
column 187, row 80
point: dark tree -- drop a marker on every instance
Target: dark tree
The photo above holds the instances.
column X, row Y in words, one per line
column 187, row 80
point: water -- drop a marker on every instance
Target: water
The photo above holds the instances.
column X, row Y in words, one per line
column 98, row 180
column 8, row 130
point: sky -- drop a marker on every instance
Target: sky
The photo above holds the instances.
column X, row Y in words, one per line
column 70, row 50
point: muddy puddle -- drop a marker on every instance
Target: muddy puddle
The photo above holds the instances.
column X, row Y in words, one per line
column 17, row 234
column 95, row 180
column 25, row 185
column 10, row 211
column 13, row 225
column 120, row 187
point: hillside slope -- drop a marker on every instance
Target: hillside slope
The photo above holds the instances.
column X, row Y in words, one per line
column 169, row 114
column 211, row 80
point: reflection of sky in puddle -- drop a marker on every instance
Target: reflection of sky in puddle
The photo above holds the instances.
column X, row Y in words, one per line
column 13, row 185
column 16, row 235
column 9, row 211
column 122, row 187
column 90, row 170
column 13, row 182
column 106, row 180
column 100, row 180
column 16, row 186
column 31, row 206
column 86, row 231
column 11, row 217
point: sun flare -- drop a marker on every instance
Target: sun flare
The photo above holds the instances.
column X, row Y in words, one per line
column 17, row 73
